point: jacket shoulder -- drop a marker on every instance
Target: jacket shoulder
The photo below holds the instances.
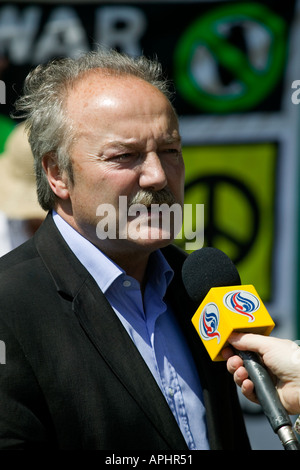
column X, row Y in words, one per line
column 17, row 256
column 21, row 273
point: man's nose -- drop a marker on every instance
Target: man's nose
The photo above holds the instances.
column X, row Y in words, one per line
column 152, row 175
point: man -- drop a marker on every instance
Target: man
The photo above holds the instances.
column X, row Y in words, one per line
column 100, row 350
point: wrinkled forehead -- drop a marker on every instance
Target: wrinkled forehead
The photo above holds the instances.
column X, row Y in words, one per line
column 102, row 96
column 107, row 83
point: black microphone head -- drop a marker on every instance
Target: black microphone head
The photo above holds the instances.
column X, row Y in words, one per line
column 207, row 268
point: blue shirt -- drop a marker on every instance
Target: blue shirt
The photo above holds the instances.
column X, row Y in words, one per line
column 152, row 327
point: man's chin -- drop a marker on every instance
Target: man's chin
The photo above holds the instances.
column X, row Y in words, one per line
column 148, row 244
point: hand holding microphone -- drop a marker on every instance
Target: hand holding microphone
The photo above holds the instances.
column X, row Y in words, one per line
column 280, row 356
column 212, row 280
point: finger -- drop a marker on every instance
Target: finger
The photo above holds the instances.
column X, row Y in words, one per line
column 227, row 353
column 246, row 385
column 240, row 375
column 247, row 389
column 233, row 363
column 249, row 341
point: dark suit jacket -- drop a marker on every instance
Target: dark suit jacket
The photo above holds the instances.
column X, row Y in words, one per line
column 73, row 378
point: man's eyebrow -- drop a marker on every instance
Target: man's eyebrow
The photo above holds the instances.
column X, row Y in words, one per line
column 119, row 143
column 172, row 140
column 133, row 143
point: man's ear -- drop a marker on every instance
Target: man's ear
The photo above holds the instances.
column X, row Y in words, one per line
column 57, row 182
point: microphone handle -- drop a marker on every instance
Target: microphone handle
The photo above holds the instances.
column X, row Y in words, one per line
column 269, row 400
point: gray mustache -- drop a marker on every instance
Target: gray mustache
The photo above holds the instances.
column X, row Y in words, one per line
column 146, row 198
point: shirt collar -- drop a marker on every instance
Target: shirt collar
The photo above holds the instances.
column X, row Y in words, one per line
column 102, row 268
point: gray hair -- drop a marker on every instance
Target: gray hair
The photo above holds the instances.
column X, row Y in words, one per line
column 42, row 105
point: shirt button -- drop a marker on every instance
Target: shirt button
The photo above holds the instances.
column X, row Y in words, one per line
column 126, row 283
column 171, row 392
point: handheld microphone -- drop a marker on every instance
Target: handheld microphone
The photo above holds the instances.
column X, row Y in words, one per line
column 213, row 282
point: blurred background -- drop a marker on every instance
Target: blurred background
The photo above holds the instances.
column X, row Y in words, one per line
column 235, row 66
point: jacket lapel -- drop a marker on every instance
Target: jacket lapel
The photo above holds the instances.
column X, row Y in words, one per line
column 105, row 331
column 113, row 343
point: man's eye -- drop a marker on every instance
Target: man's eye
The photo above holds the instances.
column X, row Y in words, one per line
column 124, row 157
column 171, row 151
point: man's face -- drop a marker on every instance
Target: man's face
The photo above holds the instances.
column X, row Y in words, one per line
column 127, row 141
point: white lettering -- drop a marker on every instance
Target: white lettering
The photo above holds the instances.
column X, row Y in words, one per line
column 2, row 92
column 2, row 353
column 295, row 95
column 116, row 460
column 189, row 233
column 166, row 222
column 107, row 227
column 154, row 222
column 17, row 32
column 63, row 35
column 120, row 27
column 138, row 227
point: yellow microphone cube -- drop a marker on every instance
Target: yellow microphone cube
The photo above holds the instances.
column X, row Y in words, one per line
column 228, row 309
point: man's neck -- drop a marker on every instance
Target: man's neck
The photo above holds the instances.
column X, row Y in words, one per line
column 131, row 258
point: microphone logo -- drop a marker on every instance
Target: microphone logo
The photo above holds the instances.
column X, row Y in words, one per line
column 209, row 322
column 242, row 302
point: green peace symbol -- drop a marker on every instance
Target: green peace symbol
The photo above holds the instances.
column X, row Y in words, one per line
column 255, row 84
